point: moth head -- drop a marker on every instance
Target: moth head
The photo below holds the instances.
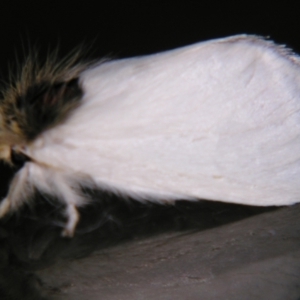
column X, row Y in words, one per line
column 40, row 96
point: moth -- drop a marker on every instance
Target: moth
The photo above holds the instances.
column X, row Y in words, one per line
column 217, row 120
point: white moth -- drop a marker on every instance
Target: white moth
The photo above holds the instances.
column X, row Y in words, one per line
column 218, row 120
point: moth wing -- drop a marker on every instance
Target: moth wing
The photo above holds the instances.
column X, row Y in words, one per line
column 216, row 120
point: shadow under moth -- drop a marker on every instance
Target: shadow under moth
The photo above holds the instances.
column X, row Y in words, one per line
column 218, row 120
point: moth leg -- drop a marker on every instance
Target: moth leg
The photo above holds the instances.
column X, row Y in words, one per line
column 70, row 195
column 17, row 195
column 5, row 207
column 73, row 218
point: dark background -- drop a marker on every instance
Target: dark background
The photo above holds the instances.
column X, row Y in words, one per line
column 128, row 28
column 119, row 29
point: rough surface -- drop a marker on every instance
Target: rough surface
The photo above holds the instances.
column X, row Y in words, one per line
column 256, row 258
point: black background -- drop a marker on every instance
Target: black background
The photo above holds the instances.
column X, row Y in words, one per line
column 128, row 28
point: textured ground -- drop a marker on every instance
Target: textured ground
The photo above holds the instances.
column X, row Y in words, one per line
column 257, row 258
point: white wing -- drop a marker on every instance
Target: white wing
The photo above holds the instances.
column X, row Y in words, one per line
column 216, row 120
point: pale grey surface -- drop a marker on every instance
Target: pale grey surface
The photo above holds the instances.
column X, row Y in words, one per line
column 255, row 258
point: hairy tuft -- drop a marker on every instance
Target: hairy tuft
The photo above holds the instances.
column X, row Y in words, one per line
column 38, row 96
